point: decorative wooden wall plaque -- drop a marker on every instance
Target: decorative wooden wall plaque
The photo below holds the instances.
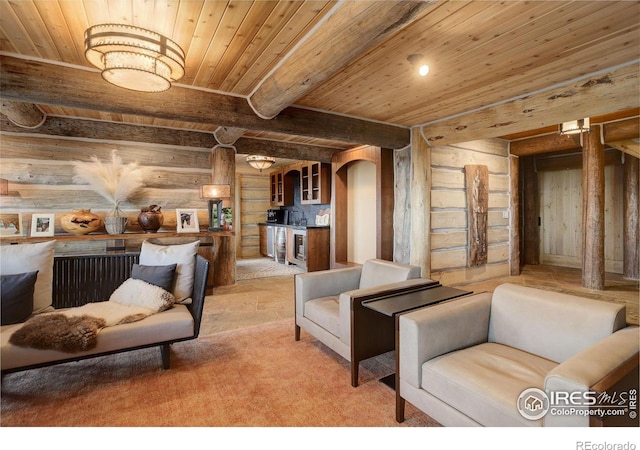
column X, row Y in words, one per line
column 477, row 184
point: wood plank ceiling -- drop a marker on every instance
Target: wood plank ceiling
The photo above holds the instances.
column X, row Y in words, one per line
column 335, row 73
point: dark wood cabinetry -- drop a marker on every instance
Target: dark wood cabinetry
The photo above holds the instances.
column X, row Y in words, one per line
column 305, row 247
column 281, row 189
column 308, row 248
column 315, row 183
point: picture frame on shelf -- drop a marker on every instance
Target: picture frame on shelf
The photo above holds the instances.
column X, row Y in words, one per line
column 10, row 224
column 187, row 221
column 226, row 219
column 43, row 225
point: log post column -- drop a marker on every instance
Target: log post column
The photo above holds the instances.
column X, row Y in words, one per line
column 631, row 265
column 223, row 169
column 593, row 210
column 420, row 203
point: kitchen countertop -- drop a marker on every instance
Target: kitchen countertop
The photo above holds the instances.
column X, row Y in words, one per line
column 295, row 227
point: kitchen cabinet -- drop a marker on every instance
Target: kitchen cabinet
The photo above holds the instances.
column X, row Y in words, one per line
column 306, row 247
column 281, row 189
column 315, row 183
column 314, row 187
column 264, row 246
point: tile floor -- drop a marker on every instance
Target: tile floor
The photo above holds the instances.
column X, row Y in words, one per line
column 251, row 302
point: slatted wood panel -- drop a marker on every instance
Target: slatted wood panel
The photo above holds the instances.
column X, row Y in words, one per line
column 561, row 218
column 449, row 223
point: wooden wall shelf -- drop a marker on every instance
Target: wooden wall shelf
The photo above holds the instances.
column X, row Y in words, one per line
column 106, row 236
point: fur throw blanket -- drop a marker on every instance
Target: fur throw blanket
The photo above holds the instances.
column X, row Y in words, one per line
column 76, row 329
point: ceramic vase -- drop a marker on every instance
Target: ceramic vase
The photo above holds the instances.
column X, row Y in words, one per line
column 115, row 222
column 151, row 218
column 80, row 221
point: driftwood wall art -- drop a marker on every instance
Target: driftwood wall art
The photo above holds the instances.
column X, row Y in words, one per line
column 477, row 185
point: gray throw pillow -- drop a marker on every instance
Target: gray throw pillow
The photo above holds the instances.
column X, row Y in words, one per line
column 16, row 297
column 161, row 276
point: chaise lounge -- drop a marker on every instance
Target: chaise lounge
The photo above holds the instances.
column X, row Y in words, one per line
column 102, row 275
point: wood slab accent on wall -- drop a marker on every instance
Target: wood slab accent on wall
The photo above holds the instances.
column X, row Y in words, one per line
column 402, row 208
column 420, row 203
column 477, row 185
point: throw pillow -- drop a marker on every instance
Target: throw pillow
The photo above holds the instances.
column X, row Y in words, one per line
column 161, row 276
column 23, row 258
column 17, row 297
column 142, row 294
column 183, row 255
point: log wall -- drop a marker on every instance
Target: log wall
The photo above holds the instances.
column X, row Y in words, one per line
column 254, row 202
column 40, row 174
column 449, row 225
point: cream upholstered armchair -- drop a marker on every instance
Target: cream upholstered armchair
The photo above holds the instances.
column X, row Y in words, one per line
column 327, row 303
column 491, row 359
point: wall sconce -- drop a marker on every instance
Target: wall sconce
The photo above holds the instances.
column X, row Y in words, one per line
column 260, row 162
column 574, row 127
column 134, row 58
column 419, row 63
column 215, row 193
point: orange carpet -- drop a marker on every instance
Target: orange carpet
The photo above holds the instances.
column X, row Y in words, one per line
column 253, row 377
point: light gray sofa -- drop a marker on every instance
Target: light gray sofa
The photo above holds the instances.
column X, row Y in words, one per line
column 467, row 362
column 325, row 302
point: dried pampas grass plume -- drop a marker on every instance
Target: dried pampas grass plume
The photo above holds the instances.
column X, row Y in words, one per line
column 113, row 180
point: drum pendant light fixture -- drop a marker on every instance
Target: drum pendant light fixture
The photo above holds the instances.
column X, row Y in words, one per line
column 260, row 162
column 134, row 58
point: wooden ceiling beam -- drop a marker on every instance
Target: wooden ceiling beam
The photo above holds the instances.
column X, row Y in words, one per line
column 623, row 130
column 629, row 146
column 351, row 29
column 25, row 115
column 288, row 150
column 603, row 93
column 111, row 131
column 42, row 83
column 228, row 135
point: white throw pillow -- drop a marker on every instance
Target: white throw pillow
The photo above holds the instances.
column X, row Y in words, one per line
column 21, row 258
column 138, row 293
column 184, row 255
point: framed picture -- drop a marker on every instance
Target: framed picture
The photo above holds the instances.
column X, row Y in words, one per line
column 227, row 218
column 187, row 221
column 43, row 224
column 10, row 224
